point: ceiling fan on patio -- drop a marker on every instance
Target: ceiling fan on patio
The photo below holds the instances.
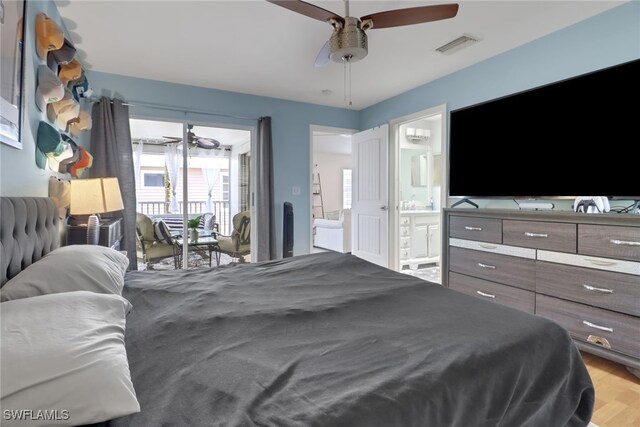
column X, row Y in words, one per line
column 348, row 43
column 196, row 141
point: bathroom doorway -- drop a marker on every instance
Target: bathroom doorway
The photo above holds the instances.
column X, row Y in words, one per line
column 420, row 192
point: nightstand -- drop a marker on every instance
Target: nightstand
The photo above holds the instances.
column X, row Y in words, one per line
column 110, row 234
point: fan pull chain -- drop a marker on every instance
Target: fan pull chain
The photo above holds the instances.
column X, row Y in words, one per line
column 346, row 60
column 344, row 69
column 350, row 85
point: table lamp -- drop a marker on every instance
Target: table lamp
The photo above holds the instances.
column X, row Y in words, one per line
column 93, row 197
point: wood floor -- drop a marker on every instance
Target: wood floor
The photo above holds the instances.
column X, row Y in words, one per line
column 617, row 393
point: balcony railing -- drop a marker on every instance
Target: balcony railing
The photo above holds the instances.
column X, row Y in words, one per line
column 221, row 209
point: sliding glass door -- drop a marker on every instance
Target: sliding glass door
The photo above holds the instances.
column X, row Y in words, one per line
column 178, row 182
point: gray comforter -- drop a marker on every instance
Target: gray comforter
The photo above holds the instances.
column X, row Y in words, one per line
column 332, row 340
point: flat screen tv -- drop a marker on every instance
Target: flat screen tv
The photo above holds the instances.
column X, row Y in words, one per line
column 576, row 137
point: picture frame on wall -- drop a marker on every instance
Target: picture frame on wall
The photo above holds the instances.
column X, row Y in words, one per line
column 12, row 26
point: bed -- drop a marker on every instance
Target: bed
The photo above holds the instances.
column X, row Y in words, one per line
column 332, row 340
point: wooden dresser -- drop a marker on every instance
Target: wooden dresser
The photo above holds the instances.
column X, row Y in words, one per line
column 579, row 270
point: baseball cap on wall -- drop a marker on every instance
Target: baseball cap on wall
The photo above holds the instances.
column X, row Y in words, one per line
column 47, row 141
column 83, row 122
column 66, row 164
column 49, row 88
column 64, row 55
column 80, row 88
column 84, row 163
column 70, row 71
column 63, row 111
column 49, row 36
column 55, row 160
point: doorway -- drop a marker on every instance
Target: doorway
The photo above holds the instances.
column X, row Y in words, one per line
column 330, row 189
column 209, row 177
column 419, row 190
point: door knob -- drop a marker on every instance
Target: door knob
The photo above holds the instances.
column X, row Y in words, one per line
column 383, row 208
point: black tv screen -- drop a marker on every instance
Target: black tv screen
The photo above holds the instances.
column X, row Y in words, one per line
column 576, row 137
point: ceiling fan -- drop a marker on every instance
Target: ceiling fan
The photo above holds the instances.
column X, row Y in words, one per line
column 196, row 141
column 348, row 43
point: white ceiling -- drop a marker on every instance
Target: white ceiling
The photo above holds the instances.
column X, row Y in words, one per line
column 252, row 46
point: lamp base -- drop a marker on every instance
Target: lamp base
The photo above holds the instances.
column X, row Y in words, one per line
column 93, row 230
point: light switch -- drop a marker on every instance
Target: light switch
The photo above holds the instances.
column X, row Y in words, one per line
column 295, row 190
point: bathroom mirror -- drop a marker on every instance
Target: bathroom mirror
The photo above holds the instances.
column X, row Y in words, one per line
column 419, row 170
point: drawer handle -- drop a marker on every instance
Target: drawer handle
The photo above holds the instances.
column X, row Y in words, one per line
column 599, row 341
column 529, row 234
column 492, row 267
column 593, row 325
column 466, row 227
column 624, row 242
column 593, row 288
column 600, row 263
column 485, row 294
column 488, row 246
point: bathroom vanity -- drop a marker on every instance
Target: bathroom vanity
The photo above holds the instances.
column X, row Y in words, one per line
column 420, row 241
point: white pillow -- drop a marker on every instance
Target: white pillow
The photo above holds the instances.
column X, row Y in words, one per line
column 70, row 268
column 64, row 353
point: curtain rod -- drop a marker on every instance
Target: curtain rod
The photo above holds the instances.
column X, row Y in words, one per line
column 170, row 108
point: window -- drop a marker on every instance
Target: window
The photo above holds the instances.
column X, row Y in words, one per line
column 346, row 189
column 153, row 179
column 225, row 187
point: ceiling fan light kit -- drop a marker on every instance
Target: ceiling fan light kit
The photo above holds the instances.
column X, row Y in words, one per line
column 348, row 41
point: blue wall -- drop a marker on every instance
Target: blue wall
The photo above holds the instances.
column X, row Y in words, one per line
column 606, row 39
column 290, row 130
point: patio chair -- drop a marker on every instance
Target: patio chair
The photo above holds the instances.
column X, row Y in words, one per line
column 148, row 248
column 238, row 244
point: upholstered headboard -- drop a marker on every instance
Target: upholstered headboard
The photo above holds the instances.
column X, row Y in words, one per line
column 28, row 231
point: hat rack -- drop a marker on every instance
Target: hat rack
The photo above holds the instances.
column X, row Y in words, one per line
column 58, row 96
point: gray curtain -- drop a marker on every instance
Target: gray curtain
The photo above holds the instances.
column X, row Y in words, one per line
column 266, row 223
column 113, row 156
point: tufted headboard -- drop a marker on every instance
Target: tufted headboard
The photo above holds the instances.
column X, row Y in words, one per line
column 28, row 231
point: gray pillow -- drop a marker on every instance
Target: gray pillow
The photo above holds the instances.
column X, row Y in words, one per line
column 70, row 268
column 65, row 352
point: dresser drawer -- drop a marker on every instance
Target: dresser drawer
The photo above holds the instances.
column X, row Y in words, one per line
column 502, row 294
column 509, row 270
column 480, row 229
column 616, row 331
column 552, row 236
column 609, row 241
column 613, row 291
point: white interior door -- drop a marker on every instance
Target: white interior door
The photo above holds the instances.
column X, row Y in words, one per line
column 369, row 195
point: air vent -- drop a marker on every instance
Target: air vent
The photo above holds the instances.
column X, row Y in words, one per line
column 457, row 44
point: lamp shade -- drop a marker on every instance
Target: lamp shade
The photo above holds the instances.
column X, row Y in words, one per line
column 95, row 196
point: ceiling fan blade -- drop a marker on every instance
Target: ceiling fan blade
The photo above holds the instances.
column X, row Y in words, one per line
column 173, row 138
column 307, row 9
column 412, row 15
column 323, row 56
column 207, row 143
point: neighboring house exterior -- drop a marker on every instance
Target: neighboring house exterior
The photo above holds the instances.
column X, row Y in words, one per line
column 152, row 189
